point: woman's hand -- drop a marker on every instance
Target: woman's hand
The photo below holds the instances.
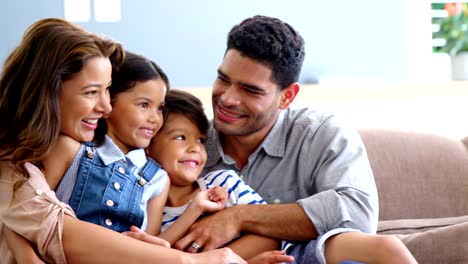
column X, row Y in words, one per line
column 275, row 256
column 137, row 233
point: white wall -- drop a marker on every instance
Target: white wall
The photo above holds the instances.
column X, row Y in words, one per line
column 361, row 40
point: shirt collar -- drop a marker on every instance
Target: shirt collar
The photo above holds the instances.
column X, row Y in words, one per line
column 109, row 153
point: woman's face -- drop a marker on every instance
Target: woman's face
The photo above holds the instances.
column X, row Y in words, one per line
column 85, row 98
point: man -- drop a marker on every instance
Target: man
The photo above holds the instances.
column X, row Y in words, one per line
column 313, row 172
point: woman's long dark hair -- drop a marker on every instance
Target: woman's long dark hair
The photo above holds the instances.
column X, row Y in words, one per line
column 52, row 51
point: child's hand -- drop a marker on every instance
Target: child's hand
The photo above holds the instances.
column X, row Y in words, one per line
column 211, row 200
column 275, row 256
column 137, row 233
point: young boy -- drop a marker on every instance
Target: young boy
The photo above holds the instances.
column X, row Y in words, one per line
column 179, row 148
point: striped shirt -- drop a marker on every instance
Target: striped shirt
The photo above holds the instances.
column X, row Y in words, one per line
column 238, row 193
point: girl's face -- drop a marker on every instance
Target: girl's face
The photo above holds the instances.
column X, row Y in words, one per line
column 137, row 115
column 84, row 99
column 180, row 149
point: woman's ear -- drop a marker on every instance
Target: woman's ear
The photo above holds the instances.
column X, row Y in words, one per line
column 288, row 95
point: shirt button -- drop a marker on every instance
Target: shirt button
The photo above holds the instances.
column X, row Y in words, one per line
column 277, row 201
column 39, row 192
column 108, row 222
column 110, row 203
column 121, row 170
column 117, row 185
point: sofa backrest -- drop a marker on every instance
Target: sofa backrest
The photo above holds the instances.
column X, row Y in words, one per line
column 418, row 175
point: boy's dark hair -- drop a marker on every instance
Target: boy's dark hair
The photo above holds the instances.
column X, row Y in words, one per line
column 271, row 42
column 187, row 104
column 135, row 69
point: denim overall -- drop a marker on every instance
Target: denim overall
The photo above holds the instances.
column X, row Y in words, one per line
column 110, row 195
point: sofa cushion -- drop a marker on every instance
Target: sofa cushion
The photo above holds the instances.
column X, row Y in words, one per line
column 410, row 226
column 418, row 175
column 440, row 245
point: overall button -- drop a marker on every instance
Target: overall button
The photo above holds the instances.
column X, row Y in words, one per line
column 110, row 203
column 117, row 185
column 39, row 192
column 89, row 154
column 108, row 222
column 277, row 201
column 121, row 170
column 241, row 177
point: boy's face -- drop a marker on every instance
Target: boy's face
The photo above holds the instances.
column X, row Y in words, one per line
column 180, row 149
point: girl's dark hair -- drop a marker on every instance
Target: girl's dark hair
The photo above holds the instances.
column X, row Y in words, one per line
column 135, row 69
column 52, row 51
column 185, row 103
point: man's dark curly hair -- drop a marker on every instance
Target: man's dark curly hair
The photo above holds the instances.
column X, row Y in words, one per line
column 271, row 42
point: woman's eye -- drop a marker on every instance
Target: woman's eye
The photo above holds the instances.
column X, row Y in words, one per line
column 93, row 92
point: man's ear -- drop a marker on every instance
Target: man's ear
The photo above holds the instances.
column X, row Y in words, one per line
column 288, row 95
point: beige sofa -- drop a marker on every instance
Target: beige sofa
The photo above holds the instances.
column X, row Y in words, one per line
column 412, row 134
column 422, row 181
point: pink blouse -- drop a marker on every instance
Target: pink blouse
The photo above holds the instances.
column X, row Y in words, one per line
column 33, row 211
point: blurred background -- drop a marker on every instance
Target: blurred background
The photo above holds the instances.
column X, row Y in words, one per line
column 346, row 41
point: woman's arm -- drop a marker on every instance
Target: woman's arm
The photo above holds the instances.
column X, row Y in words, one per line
column 249, row 245
column 20, row 248
column 89, row 243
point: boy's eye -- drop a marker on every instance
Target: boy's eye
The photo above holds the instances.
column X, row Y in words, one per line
column 202, row 140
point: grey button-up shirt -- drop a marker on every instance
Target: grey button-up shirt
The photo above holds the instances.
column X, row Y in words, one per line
column 311, row 159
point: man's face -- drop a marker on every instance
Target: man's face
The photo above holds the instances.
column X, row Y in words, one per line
column 245, row 99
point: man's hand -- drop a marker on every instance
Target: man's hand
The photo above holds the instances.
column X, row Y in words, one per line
column 212, row 231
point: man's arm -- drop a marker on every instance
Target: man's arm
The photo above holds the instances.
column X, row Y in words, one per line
column 272, row 220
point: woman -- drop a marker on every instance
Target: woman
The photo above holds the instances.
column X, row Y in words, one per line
column 55, row 82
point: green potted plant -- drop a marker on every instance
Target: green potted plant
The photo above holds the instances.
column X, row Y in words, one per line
column 453, row 30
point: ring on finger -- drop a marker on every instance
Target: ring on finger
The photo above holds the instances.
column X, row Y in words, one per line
column 195, row 246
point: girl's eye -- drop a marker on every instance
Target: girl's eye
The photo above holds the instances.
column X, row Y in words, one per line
column 181, row 137
column 161, row 108
column 202, row 140
column 144, row 105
